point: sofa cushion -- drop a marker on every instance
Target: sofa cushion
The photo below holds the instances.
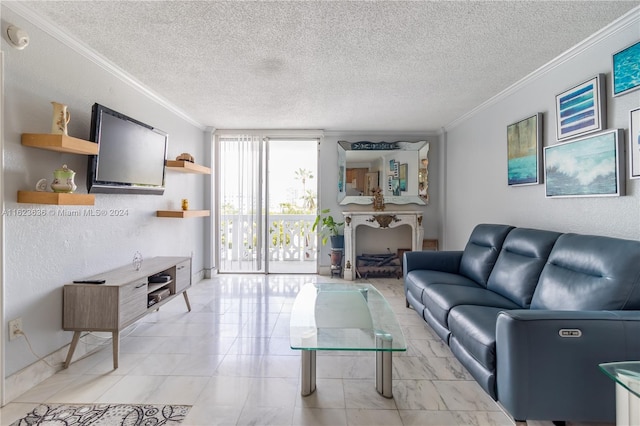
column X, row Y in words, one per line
column 417, row 280
column 442, row 331
column 517, row 270
column 474, row 328
column 439, row 299
column 587, row 272
column 485, row 378
column 425, row 278
column 481, row 251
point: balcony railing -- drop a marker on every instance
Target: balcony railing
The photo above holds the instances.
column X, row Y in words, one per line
column 289, row 238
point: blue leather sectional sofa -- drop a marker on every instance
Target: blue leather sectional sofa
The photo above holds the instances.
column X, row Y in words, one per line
column 531, row 313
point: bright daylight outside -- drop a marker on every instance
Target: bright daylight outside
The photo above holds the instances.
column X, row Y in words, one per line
column 265, row 224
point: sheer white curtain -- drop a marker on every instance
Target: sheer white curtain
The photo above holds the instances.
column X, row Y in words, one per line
column 241, row 205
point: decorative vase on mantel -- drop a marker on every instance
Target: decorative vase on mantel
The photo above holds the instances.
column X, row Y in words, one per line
column 378, row 200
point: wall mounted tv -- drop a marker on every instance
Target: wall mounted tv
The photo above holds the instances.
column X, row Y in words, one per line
column 131, row 155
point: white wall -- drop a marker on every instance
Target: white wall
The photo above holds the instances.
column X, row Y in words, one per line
column 370, row 240
column 476, row 158
column 44, row 253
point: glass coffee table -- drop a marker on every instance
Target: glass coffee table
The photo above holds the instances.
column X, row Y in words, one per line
column 626, row 375
column 344, row 317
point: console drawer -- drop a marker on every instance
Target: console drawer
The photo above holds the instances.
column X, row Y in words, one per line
column 133, row 290
column 133, row 301
column 183, row 275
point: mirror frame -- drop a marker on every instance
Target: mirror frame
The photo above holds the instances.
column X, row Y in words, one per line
column 344, row 147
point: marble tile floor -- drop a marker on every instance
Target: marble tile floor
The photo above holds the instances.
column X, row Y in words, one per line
column 230, row 359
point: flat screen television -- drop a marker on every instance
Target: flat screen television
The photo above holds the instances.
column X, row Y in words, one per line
column 131, row 155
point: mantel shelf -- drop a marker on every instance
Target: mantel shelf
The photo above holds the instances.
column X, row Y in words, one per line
column 187, row 167
column 59, row 143
column 57, row 198
column 182, row 213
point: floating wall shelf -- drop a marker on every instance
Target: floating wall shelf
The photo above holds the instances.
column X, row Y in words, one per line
column 183, row 213
column 58, row 198
column 59, row 143
column 187, row 167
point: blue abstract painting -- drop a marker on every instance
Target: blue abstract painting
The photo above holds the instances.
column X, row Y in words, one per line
column 580, row 109
column 585, row 167
column 626, row 70
column 523, row 149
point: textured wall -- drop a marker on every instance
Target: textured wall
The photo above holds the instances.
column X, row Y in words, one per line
column 44, row 253
column 476, row 157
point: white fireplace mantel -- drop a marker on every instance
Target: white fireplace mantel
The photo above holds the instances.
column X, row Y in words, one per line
column 378, row 219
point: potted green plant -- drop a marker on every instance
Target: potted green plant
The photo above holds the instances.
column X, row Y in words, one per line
column 329, row 229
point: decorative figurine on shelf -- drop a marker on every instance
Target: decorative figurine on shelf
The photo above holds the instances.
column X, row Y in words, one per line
column 185, row 204
column 61, row 118
column 378, row 199
column 63, row 180
column 41, row 185
column 185, row 156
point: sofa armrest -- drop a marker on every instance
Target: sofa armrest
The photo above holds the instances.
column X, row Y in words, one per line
column 443, row 261
column 547, row 362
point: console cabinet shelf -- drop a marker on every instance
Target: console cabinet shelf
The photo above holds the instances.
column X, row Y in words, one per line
column 183, row 213
column 124, row 298
column 187, row 167
column 57, row 198
column 59, row 143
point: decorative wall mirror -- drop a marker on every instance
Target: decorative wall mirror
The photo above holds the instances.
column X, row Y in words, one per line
column 398, row 168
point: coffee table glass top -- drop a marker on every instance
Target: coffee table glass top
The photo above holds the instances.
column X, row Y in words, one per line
column 626, row 373
column 344, row 317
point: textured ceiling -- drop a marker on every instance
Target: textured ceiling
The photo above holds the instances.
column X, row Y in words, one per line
column 340, row 65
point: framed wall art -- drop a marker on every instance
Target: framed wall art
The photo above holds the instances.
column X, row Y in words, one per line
column 634, row 143
column 394, row 169
column 394, row 186
column 581, row 109
column 524, row 151
column 403, row 176
column 591, row 166
column 625, row 70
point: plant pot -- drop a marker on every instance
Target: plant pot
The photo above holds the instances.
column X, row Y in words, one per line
column 337, row 241
column 336, row 261
column 336, row 258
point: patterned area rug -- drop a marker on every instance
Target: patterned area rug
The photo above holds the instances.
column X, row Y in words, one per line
column 104, row 415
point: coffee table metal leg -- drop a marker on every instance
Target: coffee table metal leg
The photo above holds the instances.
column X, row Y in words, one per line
column 384, row 365
column 308, row 374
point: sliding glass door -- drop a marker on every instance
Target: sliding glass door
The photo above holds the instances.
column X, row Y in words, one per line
column 292, row 200
column 267, row 204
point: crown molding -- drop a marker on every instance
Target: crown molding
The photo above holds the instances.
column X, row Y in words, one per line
column 65, row 38
column 630, row 18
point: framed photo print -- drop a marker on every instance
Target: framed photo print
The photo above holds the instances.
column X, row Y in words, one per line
column 626, row 72
column 634, row 143
column 524, row 151
column 592, row 166
column 581, row 109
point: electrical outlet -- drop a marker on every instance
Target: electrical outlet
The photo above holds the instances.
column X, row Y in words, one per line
column 15, row 328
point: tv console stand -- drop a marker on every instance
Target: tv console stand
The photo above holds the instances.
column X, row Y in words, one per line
column 126, row 296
